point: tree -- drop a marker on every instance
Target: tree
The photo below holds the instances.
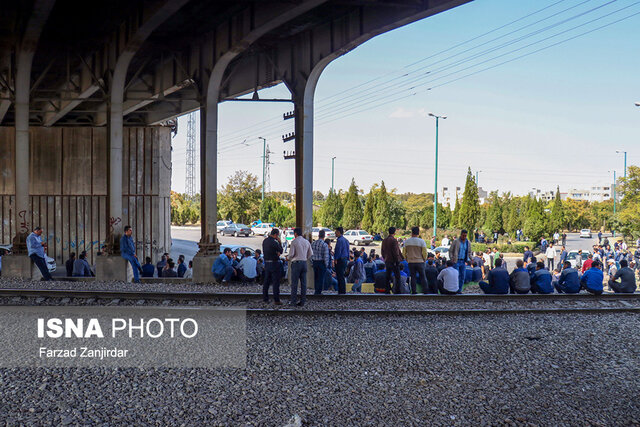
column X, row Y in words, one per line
column 352, row 212
column 267, row 209
column 382, row 219
column 369, row 210
column 240, row 198
column 470, row 206
column 494, row 215
column 331, row 211
column 628, row 218
column 556, row 218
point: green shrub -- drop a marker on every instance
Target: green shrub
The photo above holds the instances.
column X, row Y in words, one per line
column 517, row 247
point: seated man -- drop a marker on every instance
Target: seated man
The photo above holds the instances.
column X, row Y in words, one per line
column 431, row 272
column 248, row 269
column 81, row 266
column 592, row 279
column 170, row 271
column 448, row 283
column 148, row 269
column 519, row 280
column 476, row 275
column 468, row 273
column 541, row 280
column 531, row 267
column 498, row 280
column 222, row 269
column 569, row 281
column 627, row 283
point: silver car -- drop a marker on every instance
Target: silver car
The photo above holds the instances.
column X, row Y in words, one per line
column 236, row 230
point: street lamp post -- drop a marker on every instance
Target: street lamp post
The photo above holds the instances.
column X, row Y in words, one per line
column 264, row 162
column 333, row 159
column 477, row 184
column 614, row 199
column 435, row 191
column 625, row 161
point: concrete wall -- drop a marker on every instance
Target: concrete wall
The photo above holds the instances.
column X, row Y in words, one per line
column 68, row 188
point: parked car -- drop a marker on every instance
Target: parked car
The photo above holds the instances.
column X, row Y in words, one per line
column 358, row 237
column 443, row 250
column 236, row 248
column 262, row 229
column 51, row 262
column 585, row 232
column 328, row 233
column 222, row 224
column 236, row 230
column 571, row 257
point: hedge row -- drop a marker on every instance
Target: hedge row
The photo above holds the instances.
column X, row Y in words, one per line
column 517, row 247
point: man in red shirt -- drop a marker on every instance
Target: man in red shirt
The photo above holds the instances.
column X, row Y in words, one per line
column 587, row 264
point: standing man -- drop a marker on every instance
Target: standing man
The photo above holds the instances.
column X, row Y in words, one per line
column 128, row 252
column 526, row 257
column 415, row 252
column 299, row 253
column 321, row 262
column 543, row 245
column 341, row 256
column 600, row 237
column 551, row 257
column 36, row 247
column 460, row 253
column 392, row 258
column 272, row 249
column 563, row 256
column 564, row 238
column 182, row 268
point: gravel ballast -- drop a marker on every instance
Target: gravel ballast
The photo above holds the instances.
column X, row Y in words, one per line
column 338, row 370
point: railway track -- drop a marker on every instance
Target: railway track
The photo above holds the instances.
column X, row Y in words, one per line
column 348, row 304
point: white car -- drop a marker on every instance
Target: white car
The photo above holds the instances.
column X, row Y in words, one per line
column 51, row 262
column 585, row 232
column 358, row 237
column 222, row 224
column 262, row 229
column 328, row 233
column 571, row 257
column 443, row 250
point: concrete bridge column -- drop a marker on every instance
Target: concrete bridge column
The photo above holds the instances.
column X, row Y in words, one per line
column 304, row 110
column 19, row 265
column 209, row 245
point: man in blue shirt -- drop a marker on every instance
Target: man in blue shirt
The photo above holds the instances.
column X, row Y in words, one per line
column 592, row 279
column 460, row 253
column 498, row 280
column 563, row 255
column 541, row 280
column 81, row 267
column 148, row 268
column 35, row 248
column 569, row 281
column 222, row 269
column 526, row 257
column 341, row 255
column 182, row 267
column 128, row 252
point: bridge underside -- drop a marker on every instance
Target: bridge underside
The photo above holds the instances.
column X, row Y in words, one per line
column 142, row 63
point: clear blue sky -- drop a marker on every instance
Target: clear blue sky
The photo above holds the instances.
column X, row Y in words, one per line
column 555, row 117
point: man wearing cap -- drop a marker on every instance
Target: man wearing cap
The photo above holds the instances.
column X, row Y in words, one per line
column 35, row 248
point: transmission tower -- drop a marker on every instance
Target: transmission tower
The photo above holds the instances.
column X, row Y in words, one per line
column 268, row 170
column 190, row 184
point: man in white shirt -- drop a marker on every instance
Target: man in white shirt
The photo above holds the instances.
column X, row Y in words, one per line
column 248, row 266
column 446, row 242
column 448, row 280
column 551, row 257
column 299, row 253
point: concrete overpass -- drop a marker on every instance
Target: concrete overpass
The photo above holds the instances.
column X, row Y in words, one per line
column 112, row 74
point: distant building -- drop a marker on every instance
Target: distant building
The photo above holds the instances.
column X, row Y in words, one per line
column 597, row 193
column 449, row 195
